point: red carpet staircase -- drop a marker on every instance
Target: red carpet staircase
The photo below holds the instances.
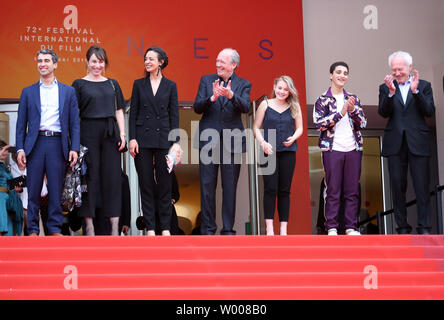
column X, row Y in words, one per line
column 222, row 267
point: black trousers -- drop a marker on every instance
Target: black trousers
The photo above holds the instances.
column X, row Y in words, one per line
column 230, row 170
column 104, row 175
column 278, row 185
column 419, row 170
column 145, row 171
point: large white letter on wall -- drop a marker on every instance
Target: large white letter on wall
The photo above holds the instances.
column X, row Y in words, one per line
column 71, row 20
column 371, row 20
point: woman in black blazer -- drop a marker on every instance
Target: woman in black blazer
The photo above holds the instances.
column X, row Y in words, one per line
column 154, row 113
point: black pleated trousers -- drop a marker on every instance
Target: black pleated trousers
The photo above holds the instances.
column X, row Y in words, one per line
column 419, row 170
column 151, row 163
column 104, row 170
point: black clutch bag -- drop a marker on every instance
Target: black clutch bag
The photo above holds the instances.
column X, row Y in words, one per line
column 16, row 182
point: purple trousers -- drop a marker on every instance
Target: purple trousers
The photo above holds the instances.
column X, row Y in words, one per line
column 342, row 175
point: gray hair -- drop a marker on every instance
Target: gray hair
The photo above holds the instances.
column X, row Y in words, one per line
column 48, row 51
column 407, row 57
column 235, row 57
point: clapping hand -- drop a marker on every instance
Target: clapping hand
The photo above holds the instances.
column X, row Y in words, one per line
column 350, row 104
column 226, row 91
column 216, row 90
column 220, row 91
column 414, row 81
column 390, row 84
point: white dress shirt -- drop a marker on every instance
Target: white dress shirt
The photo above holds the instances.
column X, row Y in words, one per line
column 49, row 101
column 404, row 88
column 344, row 139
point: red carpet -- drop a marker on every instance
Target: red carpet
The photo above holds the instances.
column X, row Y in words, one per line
column 222, row 267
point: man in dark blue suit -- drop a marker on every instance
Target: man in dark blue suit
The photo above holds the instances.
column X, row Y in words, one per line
column 47, row 136
column 406, row 100
column 221, row 99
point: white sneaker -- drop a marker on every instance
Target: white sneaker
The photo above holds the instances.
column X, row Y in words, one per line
column 332, row 232
column 352, row 232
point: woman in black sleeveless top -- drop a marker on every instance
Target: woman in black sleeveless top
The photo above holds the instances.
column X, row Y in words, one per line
column 102, row 131
column 281, row 121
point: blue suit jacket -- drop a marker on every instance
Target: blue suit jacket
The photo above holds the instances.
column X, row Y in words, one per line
column 28, row 118
column 224, row 113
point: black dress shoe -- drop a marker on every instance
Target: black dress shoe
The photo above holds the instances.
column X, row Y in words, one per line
column 227, row 233
column 403, row 231
column 423, row 231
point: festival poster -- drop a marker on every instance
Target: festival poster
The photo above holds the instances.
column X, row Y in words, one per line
column 268, row 38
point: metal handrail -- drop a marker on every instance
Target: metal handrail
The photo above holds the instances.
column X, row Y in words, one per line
column 252, row 170
column 437, row 192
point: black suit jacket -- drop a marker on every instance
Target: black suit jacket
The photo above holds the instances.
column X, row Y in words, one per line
column 408, row 118
column 224, row 113
column 152, row 117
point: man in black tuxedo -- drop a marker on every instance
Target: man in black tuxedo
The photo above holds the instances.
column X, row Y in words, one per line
column 406, row 101
column 221, row 99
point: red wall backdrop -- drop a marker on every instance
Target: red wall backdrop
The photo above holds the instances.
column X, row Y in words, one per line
column 267, row 35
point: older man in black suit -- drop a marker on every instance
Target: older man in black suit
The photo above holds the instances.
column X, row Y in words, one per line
column 221, row 99
column 406, row 101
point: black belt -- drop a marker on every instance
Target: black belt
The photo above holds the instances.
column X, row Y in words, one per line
column 50, row 133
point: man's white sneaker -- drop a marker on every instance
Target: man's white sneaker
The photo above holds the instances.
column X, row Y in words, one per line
column 332, row 232
column 352, row 232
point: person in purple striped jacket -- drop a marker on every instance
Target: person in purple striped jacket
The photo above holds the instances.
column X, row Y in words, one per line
column 339, row 117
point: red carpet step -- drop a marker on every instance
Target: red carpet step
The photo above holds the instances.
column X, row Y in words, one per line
column 222, row 267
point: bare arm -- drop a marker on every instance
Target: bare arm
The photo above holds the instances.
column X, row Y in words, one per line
column 121, row 124
column 257, row 125
column 297, row 133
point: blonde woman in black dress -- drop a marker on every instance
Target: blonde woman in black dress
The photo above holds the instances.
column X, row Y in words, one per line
column 281, row 114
